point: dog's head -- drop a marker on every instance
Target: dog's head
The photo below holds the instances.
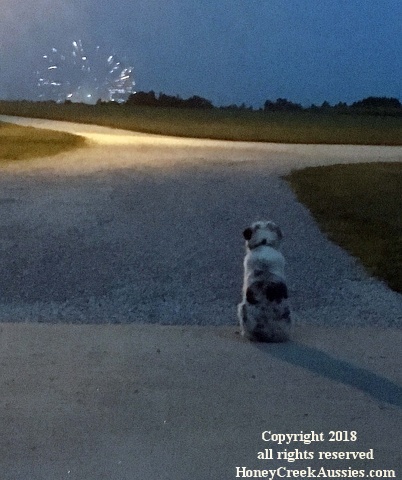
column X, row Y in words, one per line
column 263, row 233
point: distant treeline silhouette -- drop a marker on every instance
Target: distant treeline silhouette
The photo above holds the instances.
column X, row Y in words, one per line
column 369, row 105
column 151, row 100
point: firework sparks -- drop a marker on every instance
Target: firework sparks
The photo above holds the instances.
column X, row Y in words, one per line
column 85, row 77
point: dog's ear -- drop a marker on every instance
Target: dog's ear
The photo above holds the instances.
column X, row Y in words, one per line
column 274, row 228
column 279, row 232
column 248, row 232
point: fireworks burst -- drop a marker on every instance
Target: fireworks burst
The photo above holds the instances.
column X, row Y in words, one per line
column 83, row 77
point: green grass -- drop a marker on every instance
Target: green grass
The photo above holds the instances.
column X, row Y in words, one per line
column 21, row 143
column 243, row 125
column 359, row 207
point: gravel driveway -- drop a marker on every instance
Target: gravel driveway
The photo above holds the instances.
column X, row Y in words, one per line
column 142, row 228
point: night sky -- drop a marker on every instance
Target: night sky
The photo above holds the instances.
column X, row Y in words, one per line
column 229, row 51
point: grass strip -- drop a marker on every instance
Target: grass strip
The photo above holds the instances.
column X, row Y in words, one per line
column 22, row 143
column 237, row 125
column 359, row 207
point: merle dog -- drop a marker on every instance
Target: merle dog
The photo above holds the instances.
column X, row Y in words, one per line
column 264, row 312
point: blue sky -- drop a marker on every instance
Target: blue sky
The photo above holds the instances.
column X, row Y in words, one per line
column 229, row 51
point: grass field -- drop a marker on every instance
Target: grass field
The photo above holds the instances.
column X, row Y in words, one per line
column 21, row 143
column 240, row 125
column 359, row 207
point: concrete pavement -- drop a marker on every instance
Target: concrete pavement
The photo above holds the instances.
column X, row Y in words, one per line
column 130, row 402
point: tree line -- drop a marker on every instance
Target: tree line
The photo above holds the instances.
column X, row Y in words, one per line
column 151, row 100
column 369, row 105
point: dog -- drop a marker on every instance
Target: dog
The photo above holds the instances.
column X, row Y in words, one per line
column 264, row 312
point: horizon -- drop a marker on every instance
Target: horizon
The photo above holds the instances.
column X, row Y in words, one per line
column 239, row 106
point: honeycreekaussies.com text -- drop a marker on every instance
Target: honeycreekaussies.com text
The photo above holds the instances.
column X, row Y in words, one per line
column 308, row 472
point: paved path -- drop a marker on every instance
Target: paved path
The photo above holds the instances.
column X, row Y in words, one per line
column 124, row 402
column 139, row 228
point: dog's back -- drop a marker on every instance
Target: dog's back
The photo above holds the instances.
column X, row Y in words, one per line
column 262, row 263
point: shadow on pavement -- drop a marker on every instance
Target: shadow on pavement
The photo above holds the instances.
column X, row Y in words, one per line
column 338, row 370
